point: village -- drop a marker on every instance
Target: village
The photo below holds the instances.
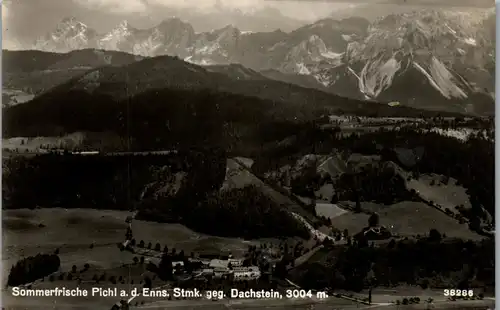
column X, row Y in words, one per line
column 204, row 266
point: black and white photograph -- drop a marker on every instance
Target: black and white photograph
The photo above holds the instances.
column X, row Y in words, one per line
column 251, row 154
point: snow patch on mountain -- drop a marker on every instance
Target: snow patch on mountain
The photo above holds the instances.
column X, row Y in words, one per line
column 377, row 76
column 470, row 41
column 346, row 37
column 324, row 78
column 441, row 79
column 199, row 61
column 115, row 37
column 331, row 55
column 302, row 69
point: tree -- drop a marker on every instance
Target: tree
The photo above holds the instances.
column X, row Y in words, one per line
column 128, row 234
column 357, row 208
column 165, row 268
column 31, row 268
column 434, row 235
column 475, row 223
column 373, row 220
column 165, row 249
column 424, row 284
column 345, row 233
column 73, row 269
column 335, row 198
column 148, row 283
column 141, row 244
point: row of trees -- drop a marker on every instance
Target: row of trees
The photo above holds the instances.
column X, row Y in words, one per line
column 32, row 268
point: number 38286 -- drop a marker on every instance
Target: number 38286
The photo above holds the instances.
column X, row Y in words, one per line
column 458, row 293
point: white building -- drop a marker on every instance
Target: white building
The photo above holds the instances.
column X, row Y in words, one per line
column 235, row 262
column 218, row 263
column 247, row 273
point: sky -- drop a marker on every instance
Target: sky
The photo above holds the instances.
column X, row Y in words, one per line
column 25, row 20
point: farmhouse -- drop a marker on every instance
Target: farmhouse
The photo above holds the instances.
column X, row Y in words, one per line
column 218, row 263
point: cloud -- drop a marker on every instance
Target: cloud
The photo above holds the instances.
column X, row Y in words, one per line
column 142, row 6
column 115, row 6
column 5, row 13
column 295, row 9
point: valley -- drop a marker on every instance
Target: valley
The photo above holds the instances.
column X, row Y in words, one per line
column 351, row 156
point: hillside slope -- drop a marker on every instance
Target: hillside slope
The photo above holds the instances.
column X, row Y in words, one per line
column 33, row 72
column 122, row 81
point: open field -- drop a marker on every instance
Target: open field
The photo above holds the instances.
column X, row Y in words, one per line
column 329, row 210
column 23, row 144
column 445, row 195
column 28, row 232
column 406, row 219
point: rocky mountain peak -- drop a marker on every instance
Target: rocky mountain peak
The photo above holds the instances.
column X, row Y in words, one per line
column 173, row 23
column 69, row 34
column 449, row 54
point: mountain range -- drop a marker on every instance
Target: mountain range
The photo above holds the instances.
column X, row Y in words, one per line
column 433, row 59
column 162, row 102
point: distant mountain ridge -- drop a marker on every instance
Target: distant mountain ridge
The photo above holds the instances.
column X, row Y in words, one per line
column 440, row 60
column 163, row 101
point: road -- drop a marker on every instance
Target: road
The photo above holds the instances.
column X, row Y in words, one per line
column 32, row 152
column 321, row 236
